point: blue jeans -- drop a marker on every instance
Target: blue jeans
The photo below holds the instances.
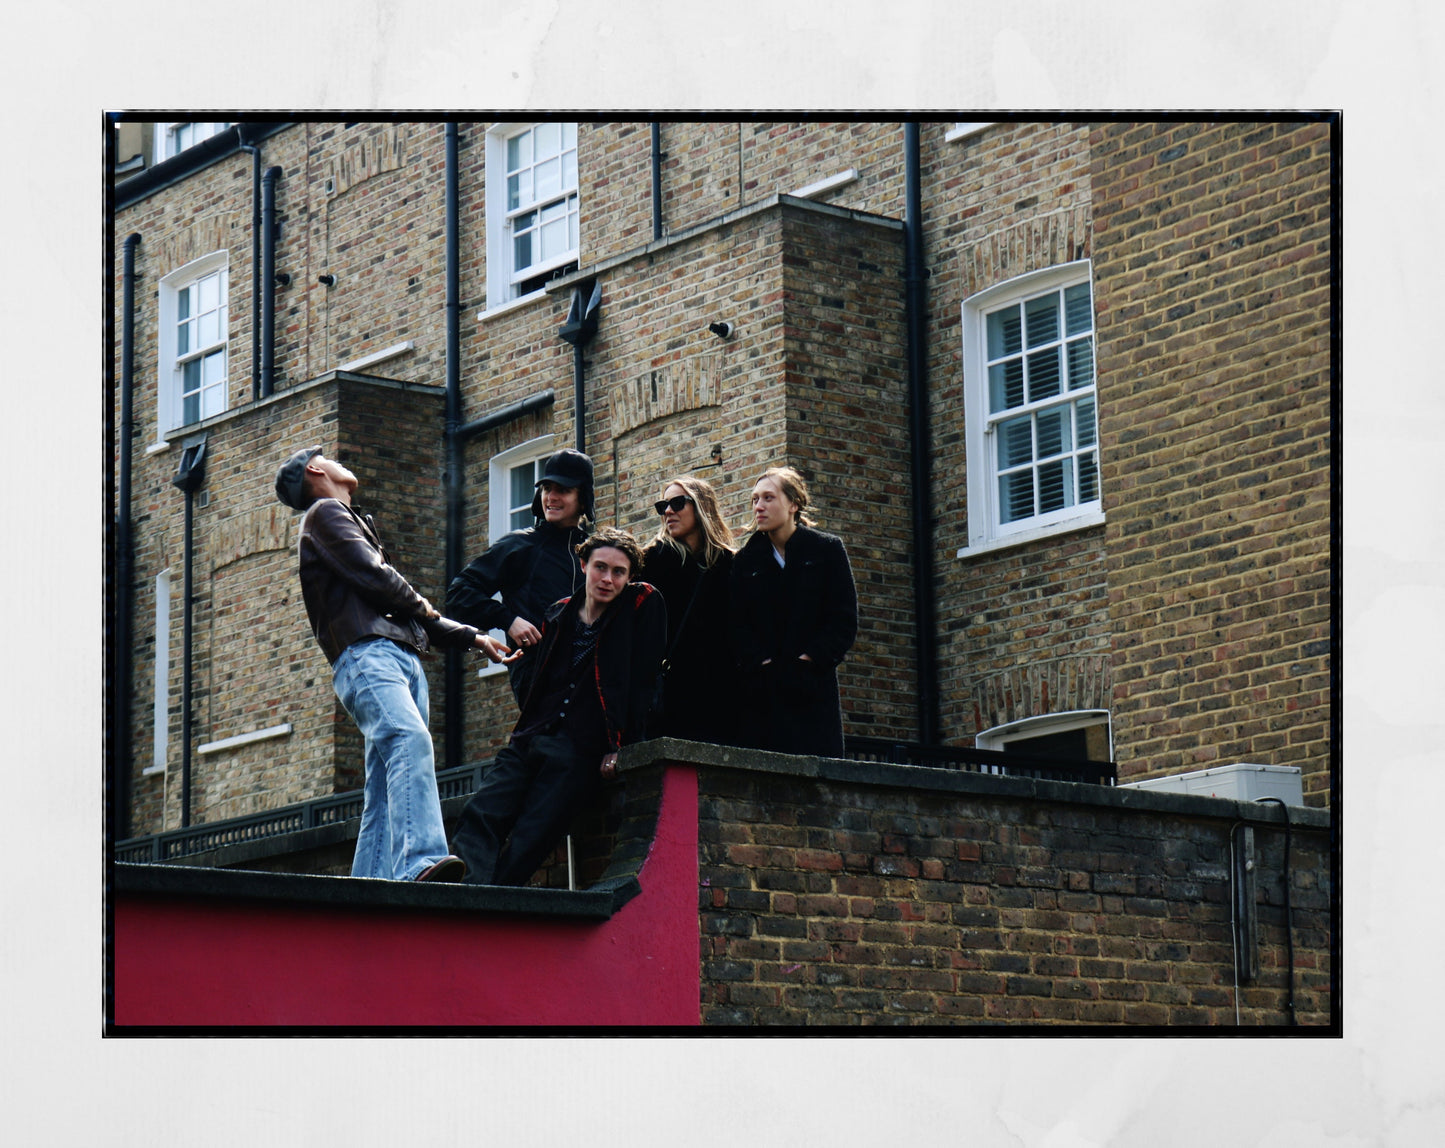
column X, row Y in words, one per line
column 382, row 686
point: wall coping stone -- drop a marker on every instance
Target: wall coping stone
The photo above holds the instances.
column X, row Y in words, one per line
column 963, row 782
column 597, row 903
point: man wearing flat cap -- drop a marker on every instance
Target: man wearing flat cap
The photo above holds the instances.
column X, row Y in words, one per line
column 373, row 628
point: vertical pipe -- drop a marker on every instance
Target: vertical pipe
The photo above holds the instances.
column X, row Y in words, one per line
column 656, row 181
column 452, row 444
column 268, row 280
column 579, row 398
column 915, row 302
column 189, row 556
column 255, row 265
column 124, row 558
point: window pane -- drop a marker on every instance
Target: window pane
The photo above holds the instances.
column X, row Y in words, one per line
column 1084, row 421
column 547, row 178
column 213, row 369
column 1016, row 495
column 548, row 140
column 213, row 401
column 572, row 226
column 1041, row 319
column 519, row 151
column 569, row 170
column 1044, row 374
column 519, row 189
column 1015, row 442
column 1006, row 385
column 1056, row 482
column 523, row 481
column 191, row 377
column 210, row 291
column 1078, row 311
column 522, row 251
column 1081, row 363
column 1054, row 432
column 554, row 240
column 569, row 136
column 210, row 329
column 183, row 303
column 1088, row 477
column 1005, row 333
column 183, row 338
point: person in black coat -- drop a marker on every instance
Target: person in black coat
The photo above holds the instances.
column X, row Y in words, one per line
column 794, row 616
column 531, row 568
column 596, row 669
column 690, row 562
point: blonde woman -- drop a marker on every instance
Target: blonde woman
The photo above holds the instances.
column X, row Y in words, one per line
column 794, row 617
column 690, row 563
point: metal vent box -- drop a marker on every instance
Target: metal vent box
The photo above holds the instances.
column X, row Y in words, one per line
column 1243, row 781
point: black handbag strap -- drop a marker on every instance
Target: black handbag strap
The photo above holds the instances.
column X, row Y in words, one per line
column 677, row 634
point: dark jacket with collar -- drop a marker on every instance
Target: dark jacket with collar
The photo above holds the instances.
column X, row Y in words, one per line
column 809, row 606
column 352, row 591
column 532, row 569
column 700, row 690
column 623, row 671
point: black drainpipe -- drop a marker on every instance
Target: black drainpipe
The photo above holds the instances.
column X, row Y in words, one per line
column 268, row 280
column 453, row 446
column 255, row 262
column 656, row 181
column 578, row 330
column 915, row 275
column 124, row 558
column 189, row 476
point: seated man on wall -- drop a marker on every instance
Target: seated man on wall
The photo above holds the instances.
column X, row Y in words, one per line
column 373, row 628
column 594, row 683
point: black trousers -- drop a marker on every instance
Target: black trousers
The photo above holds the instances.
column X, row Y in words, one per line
column 523, row 806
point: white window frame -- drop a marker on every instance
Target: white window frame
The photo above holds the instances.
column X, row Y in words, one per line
column 965, row 129
column 1001, row 735
column 161, row 707
column 175, row 136
column 170, row 363
column 499, row 506
column 503, row 280
column 985, row 530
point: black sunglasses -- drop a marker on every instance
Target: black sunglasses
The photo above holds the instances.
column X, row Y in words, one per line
column 673, row 504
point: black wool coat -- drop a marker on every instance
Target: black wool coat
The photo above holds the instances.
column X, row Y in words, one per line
column 810, row 606
column 700, row 694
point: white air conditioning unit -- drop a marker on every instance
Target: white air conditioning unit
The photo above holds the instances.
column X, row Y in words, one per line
column 1244, row 781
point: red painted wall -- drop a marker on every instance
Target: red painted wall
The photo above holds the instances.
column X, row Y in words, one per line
column 216, row 963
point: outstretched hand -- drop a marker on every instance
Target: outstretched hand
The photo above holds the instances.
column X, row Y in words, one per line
column 495, row 651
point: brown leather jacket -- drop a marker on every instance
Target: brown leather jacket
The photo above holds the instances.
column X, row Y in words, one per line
column 352, row 591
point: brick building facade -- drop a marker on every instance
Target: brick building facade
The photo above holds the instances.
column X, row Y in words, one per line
column 1164, row 596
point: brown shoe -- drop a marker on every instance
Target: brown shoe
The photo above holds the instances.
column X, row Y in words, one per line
column 449, row 868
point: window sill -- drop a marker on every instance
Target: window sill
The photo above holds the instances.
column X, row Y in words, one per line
column 965, row 130
column 1026, row 536
column 511, row 305
column 158, row 447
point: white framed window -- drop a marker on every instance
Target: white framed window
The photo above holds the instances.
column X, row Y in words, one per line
column 532, row 208
column 1085, row 735
column 176, row 136
column 1030, row 408
column 511, row 482
column 194, row 302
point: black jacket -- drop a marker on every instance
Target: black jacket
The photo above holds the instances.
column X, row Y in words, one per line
column 629, row 649
column 700, row 696
column 352, row 591
column 532, row 568
column 808, row 607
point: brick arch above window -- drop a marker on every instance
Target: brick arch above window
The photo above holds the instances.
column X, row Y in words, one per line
column 1064, row 685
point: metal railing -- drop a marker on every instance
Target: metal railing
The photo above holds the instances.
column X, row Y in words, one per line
column 980, row 761
column 462, row 781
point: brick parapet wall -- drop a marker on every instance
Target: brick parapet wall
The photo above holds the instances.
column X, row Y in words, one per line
column 1213, row 270
column 834, row 895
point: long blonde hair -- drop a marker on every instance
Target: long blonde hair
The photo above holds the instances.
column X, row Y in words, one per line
column 717, row 538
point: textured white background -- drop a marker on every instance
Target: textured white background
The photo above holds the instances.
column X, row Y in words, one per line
column 60, row 1083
